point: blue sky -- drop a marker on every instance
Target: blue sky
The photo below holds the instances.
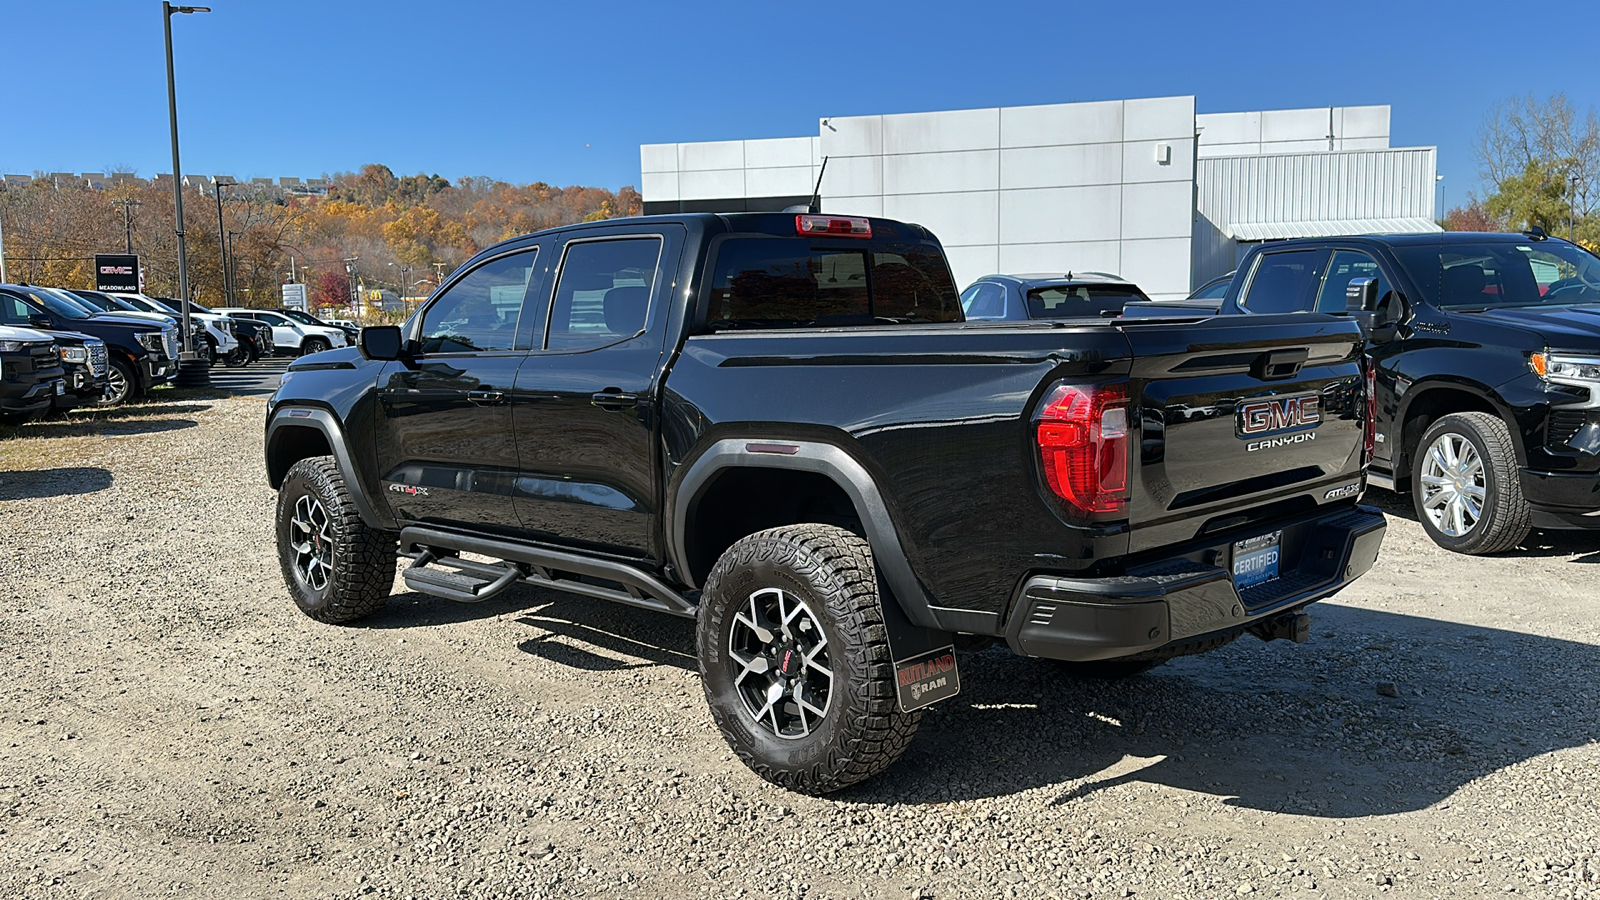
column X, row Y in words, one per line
column 565, row 92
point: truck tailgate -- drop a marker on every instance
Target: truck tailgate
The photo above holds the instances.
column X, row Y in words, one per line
column 1241, row 418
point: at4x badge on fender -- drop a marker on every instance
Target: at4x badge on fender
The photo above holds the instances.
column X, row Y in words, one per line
column 409, row 489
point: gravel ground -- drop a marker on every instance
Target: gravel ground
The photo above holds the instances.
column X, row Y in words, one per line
column 173, row 726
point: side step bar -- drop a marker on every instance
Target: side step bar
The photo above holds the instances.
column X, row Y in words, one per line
column 477, row 581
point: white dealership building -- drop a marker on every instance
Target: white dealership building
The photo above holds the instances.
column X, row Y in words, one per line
column 1146, row 188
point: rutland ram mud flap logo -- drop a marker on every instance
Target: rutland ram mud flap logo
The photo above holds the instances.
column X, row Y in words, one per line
column 927, row 679
column 1278, row 421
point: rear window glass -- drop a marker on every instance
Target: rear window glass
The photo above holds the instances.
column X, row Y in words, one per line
column 791, row 283
column 1079, row 301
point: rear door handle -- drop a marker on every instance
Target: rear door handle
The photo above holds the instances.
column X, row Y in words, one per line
column 487, row 398
column 612, row 398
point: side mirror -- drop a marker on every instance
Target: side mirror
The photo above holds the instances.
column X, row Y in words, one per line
column 384, row 342
column 1361, row 295
column 1391, row 314
column 41, row 321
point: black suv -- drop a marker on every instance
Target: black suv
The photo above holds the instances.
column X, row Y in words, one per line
column 30, row 374
column 1487, row 354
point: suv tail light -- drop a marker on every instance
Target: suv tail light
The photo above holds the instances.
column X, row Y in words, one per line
column 1369, row 432
column 833, row 226
column 1082, row 431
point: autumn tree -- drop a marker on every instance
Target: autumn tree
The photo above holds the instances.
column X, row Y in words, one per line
column 330, row 289
column 1472, row 217
column 1542, row 159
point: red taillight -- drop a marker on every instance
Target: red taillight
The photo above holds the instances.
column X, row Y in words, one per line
column 1083, row 445
column 833, row 226
column 1369, row 434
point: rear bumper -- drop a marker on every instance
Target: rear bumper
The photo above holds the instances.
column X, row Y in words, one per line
column 1173, row 601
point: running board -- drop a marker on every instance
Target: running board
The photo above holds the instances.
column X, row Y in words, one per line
column 555, row 569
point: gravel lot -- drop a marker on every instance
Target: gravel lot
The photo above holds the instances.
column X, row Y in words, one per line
column 172, row 725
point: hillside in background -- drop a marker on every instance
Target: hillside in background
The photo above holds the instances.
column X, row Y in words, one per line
column 371, row 228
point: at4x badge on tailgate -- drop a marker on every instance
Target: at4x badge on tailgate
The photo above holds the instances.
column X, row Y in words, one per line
column 927, row 679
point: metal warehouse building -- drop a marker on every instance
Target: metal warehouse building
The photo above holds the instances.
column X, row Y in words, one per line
column 1143, row 188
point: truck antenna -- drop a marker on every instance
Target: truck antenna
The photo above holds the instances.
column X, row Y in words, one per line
column 815, row 206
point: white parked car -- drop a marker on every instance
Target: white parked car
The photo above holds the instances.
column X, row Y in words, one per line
column 219, row 334
column 290, row 335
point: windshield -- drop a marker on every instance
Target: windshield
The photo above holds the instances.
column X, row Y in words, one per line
column 304, row 318
column 74, row 299
column 1498, row 274
column 1076, row 301
column 101, row 303
column 60, row 307
column 151, row 304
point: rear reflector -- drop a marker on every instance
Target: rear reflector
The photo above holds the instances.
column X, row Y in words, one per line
column 833, row 226
column 1083, row 446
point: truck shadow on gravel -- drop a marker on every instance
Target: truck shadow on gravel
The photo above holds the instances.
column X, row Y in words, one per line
column 1305, row 730
column 81, row 426
column 45, row 483
column 1539, row 544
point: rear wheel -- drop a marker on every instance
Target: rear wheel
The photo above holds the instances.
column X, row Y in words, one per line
column 337, row 569
column 795, row 659
column 240, row 355
column 1466, row 487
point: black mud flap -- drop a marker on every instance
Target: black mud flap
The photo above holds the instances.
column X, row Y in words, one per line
column 924, row 658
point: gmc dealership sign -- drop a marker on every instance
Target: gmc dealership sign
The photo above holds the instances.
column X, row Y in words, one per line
column 116, row 272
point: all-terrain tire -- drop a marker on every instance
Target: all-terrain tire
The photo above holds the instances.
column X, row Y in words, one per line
column 830, row 571
column 1505, row 518
column 354, row 569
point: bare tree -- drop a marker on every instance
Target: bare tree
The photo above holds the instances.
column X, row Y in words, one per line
column 1521, row 135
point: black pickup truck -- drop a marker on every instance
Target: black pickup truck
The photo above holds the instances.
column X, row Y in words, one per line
column 779, row 425
column 1486, row 349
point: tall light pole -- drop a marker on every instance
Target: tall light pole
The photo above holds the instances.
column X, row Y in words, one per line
column 198, row 369
column 229, row 284
column 1439, row 180
column 217, row 184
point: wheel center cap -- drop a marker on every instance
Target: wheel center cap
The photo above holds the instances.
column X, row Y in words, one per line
column 788, row 662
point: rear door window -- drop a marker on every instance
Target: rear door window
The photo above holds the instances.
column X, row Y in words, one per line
column 791, row 283
column 985, row 300
column 603, row 291
column 1285, row 282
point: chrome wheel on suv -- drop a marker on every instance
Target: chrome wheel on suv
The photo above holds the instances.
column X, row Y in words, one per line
column 1466, row 486
column 1453, row 487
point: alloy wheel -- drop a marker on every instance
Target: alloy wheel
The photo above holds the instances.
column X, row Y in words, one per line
column 1454, row 486
column 117, row 387
column 785, row 679
column 311, row 538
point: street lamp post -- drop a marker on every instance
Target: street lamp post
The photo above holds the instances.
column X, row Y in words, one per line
column 217, row 184
column 1439, row 180
column 230, row 277
column 197, row 369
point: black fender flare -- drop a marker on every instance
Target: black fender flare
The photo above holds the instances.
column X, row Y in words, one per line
column 819, row 458
column 285, row 418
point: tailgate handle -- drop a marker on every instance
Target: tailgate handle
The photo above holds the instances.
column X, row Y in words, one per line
column 1277, row 365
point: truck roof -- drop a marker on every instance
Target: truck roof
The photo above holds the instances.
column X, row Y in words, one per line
column 1411, row 240
column 779, row 224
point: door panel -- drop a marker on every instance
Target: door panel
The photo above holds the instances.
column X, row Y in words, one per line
column 585, row 408
column 445, row 444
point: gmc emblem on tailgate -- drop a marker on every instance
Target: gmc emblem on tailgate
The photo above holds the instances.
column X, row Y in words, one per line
column 1292, row 419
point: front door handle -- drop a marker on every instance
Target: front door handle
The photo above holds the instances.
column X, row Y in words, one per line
column 612, row 398
column 487, row 398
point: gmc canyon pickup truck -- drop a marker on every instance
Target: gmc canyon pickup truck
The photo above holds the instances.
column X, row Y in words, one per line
column 1486, row 351
column 780, row 426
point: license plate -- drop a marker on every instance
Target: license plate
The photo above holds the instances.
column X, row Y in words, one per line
column 1255, row 560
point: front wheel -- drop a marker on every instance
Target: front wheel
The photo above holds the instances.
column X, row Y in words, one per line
column 313, row 345
column 795, row 660
column 1466, row 487
column 121, row 384
column 337, row 568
